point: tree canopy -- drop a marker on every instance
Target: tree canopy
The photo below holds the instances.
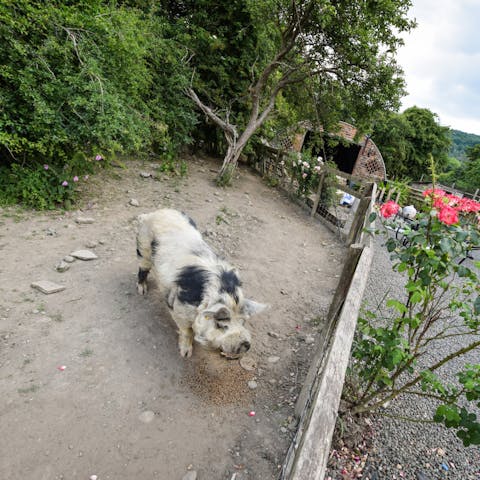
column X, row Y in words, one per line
column 406, row 141
column 80, row 77
column 339, row 50
column 460, row 142
column 467, row 175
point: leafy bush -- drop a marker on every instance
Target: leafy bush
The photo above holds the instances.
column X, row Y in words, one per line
column 45, row 186
column 305, row 169
column 83, row 77
column 441, row 301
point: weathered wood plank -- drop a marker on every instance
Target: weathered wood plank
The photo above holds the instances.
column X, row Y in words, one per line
column 313, row 447
column 361, row 215
column 353, row 255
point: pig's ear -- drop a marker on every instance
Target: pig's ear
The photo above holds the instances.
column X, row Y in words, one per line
column 250, row 307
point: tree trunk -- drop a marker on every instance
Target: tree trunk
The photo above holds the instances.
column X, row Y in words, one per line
column 235, row 149
column 237, row 143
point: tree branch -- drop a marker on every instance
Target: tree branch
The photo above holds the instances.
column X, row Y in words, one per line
column 227, row 127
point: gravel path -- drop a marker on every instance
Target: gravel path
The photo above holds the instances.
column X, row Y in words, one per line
column 416, row 450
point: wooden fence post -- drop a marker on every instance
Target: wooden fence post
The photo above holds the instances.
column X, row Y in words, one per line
column 318, row 194
column 358, row 219
column 390, row 193
column 311, row 450
column 381, row 194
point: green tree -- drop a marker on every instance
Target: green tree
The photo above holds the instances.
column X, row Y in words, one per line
column 391, row 134
column 460, row 142
column 427, row 137
column 468, row 177
column 83, row 77
column 406, row 140
column 319, row 46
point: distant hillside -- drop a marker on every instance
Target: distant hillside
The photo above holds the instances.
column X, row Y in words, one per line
column 460, row 142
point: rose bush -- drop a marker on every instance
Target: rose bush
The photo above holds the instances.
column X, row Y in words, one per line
column 441, row 301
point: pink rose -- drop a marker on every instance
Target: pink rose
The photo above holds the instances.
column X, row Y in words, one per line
column 389, row 208
column 64, row 183
column 75, row 178
column 435, row 192
column 448, row 215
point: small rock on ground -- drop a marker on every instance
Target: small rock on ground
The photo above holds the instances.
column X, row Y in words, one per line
column 252, row 384
column 47, row 287
column 147, row 416
column 84, row 255
column 273, row 359
column 84, row 220
column 273, row 335
column 191, row 475
column 134, row 202
column 68, row 259
column 62, row 266
column 248, row 364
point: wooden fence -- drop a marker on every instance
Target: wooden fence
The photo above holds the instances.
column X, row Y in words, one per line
column 317, row 405
column 318, row 402
column 347, row 223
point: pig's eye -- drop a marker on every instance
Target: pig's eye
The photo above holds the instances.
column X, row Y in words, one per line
column 221, row 326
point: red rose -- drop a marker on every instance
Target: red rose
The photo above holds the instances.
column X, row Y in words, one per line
column 448, row 215
column 389, row 208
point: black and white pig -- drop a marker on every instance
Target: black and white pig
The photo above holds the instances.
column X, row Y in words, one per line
column 204, row 292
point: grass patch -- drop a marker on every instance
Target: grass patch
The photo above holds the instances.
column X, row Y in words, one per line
column 30, row 389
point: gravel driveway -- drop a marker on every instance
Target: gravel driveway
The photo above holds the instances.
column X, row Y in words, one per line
column 408, row 450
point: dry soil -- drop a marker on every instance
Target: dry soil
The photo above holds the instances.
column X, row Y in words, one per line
column 91, row 381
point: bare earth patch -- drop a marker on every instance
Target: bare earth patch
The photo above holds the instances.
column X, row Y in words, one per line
column 91, row 380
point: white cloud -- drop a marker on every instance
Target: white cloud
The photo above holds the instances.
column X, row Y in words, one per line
column 441, row 60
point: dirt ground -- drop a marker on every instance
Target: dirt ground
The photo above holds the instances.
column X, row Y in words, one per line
column 91, row 381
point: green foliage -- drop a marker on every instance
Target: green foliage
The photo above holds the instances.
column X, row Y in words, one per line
column 461, row 141
column 305, row 170
column 47, row 186
column 83, row 77
column 466, row 176
column 396, row 187
column 315, row 59
column 171, row 164
column 225, row 179
column 441, row 300
column 221, row 41
column 406, row 140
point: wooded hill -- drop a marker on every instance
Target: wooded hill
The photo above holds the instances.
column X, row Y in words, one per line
column 460, row 142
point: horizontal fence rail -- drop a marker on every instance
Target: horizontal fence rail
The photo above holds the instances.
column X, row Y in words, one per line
column 317, row 404
column 346, row 222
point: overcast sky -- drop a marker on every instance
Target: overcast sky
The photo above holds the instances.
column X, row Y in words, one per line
column 441, row 60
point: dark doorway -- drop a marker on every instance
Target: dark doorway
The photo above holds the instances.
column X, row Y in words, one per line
column 344, row 154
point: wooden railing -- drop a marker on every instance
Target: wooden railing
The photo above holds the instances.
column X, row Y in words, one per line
column 317, row 405
column 318, row 402
column 271, row 164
